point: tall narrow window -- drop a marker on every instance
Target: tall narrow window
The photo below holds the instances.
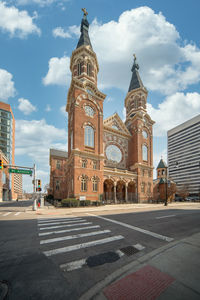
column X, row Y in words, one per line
column 89, row 70
column 84, row 163
column 144, row 152
column 95, row 186
column 142, row 187
column 79, row 69
column 94, row 164
column 71, row 140
column 83, row 184
column 57, row 185
column 89, row 136
column 58, row 164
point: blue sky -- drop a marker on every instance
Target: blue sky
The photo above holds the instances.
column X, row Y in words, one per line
column 37, row 38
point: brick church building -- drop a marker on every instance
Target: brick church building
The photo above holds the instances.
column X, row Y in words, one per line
column 109, row 159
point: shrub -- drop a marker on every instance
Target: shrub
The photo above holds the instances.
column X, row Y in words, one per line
column 97, row 203
column 85, row 203
column 70, row 202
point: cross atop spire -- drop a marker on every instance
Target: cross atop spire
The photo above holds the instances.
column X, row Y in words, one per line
column 85, row 12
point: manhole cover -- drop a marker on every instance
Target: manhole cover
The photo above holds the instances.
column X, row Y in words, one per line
column 4, row 287
column 130, row 250
column 101, row 259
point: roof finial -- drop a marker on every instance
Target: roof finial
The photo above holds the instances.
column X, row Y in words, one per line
column 134, row 58
column 85, row 12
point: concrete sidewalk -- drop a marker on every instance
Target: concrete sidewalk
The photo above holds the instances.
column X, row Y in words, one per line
column 170, row 272
column 116, row 207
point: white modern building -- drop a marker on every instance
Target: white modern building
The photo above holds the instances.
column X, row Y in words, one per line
column 184, row 155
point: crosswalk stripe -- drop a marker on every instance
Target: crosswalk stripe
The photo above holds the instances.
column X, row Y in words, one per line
column 73, row 265
column 68, row 225
column 19, row 212
column 83, row 245
column 67, row 230
column 77, row 264
column 75, row 236
column 59, row 220
column 59, row 223
column 7, row 214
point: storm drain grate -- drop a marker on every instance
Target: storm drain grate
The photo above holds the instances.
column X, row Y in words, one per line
column 130, row 250
column 100, row 259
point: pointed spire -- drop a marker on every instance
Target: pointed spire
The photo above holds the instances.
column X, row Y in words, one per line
column 84, row 38
column 161, row 164
column 136, row 81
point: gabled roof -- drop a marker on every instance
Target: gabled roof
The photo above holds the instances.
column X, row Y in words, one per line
column 58, row 153
column 161, row 164
column 115, row 123
column 136, row 81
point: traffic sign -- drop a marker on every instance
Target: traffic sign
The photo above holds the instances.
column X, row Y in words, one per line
column 20, row 171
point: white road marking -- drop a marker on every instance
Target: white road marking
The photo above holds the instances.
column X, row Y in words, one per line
column 60, row 223
column 67, row 230
column 139, row 247
column 156, row 235
column 81, row 246
column 59, row 220
column 68, row 225
column 74, row 265
column 77, row 264
column 75, row 236
column 19, row 212
column 169, row 216
column 120, row 253
column 7, row 214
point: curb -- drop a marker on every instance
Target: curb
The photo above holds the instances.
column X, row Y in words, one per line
column 95, row 291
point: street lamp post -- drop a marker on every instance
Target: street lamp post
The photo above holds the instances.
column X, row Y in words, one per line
column 166, row 186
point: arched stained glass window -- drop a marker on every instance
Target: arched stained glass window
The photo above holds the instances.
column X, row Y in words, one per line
column 89, row 136
column 144, row 152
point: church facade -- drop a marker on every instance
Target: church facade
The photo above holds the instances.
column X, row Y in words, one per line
column 109, row 159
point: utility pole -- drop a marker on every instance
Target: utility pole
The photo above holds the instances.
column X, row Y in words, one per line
column 34, row 175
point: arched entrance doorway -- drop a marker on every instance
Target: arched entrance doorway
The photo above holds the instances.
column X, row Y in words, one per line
column 108, row 188
column 120, row 192
column 132, row 197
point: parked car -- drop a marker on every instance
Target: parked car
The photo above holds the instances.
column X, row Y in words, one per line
column 177, row 198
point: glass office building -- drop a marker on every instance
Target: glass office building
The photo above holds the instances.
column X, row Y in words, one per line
column 6, row 133
column 184, row 155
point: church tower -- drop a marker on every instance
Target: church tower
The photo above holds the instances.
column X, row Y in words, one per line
column 139, row 124
column 85, row 121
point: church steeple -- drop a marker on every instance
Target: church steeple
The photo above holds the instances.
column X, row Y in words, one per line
column 136, row 81
column 84, row 38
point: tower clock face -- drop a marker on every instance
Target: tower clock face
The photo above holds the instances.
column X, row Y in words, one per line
column 113, row 153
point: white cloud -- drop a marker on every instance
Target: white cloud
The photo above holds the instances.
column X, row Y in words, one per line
column 48, row 108
column 7, row 88
column 174, row 110
column 40, row 2
column 17, row 23
column 165, row 65
column 59, row 32
column 59, row 71
column 25, row 106
column 63, row 110
column 35, row 138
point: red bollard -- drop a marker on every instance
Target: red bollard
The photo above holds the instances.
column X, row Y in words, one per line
column 38, row 204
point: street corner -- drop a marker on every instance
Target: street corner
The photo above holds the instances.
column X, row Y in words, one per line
column 146, row 283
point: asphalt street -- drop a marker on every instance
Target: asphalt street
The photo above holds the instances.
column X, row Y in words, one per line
column 61, row 256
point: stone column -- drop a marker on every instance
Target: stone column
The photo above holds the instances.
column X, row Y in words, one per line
column 115, row 192
column 126, row 191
